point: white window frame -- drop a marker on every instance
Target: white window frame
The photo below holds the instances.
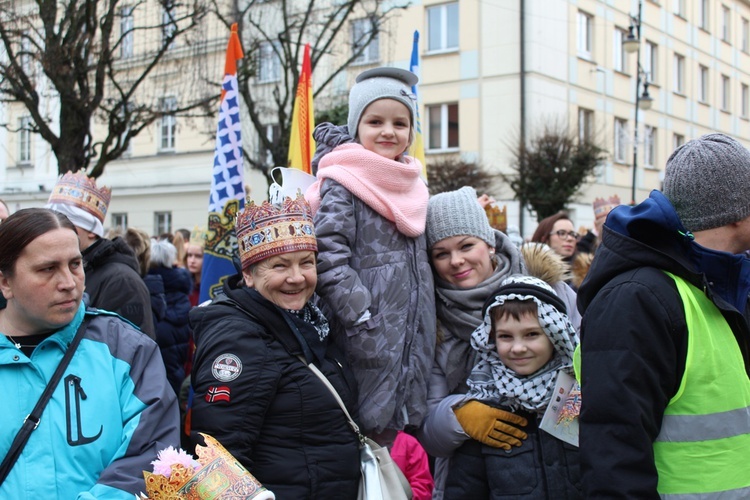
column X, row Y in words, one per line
column 24, row 140
column 619, row 55
column 127, row 24
column 585, row 125
column 650, row 60
column 703, row 16
column 269, row 64
column 726, row 23
column 621, row 140
column 167, row 124
column 649, row 146
column 702, row 83
column 120, row 220
column 744, row 101
column 169, row 25
column 162, row 223
column 679, row 7
column 584, row 34
column 677, row 141
column 725, row 93
column 443, row 112
column 679, row 73
column 442, row 27
column 360, row 29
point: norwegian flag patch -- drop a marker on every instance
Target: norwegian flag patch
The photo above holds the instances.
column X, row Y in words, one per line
column 218, row 393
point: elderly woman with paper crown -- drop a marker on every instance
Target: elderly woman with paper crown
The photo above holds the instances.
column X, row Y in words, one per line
column 253, row 389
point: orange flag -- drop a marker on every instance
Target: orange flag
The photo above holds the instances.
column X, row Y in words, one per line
column 301, row 143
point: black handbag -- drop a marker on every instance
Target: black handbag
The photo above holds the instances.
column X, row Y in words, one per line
column 31, row 422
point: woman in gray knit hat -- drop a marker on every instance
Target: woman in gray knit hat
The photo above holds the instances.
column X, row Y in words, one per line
column 469, row 261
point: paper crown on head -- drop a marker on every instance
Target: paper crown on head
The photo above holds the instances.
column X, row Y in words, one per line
column 602, row 207
column 198, row 236
column 265, row 230
column 79, row 190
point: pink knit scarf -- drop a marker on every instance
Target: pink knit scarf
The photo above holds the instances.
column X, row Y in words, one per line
column 393, row 189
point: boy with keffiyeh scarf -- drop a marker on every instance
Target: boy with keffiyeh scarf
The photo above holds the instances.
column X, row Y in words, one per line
column 526, row 339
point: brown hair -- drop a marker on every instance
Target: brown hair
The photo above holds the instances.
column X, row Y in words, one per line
column 541, row 235
column 23, row 227
column 140, row 242
column 514, row 309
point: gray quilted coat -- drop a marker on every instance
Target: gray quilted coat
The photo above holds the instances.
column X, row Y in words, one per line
column 365, row 264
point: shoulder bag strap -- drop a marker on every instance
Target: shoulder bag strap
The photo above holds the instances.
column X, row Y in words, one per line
column 330, row 387
column 31, row 421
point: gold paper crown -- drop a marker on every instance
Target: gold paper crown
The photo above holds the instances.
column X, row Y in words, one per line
column 79, row 190
column 198, row 236
column 220, row 476
column 265, row 230
column 602, row 207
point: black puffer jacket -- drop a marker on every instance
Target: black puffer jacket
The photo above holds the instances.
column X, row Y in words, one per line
column 542, row 468
column 173, row 330
column 634, row 339
column 114, row 284
column 256, row 397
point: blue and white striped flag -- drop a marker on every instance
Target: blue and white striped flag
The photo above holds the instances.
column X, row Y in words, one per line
column 227, row 196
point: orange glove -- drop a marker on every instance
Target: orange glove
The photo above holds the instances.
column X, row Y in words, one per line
column 491, row 426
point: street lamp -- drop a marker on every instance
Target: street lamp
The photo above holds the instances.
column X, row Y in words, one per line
column 632, row 43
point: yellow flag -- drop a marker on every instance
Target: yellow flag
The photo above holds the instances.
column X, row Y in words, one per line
column 301, row 143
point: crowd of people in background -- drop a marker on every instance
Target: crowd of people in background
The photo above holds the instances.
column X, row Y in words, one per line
column 445, row 339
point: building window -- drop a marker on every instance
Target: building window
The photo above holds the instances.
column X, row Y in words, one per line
column 273, row 134
column 745, row 35
column 269, row 64
column 745, row 96
column 621, row 139
column 442, row 27
column 725, row 23
column 620, row 56
column 24, row 140
column 725, row 93
column 168, row 124
column 585, row 125
column 677, row 141
column 649, row 146
column 25, row 56
column 168, row 25
column 703, row 14
column 443, row 127
column 584, row 32
column 649, row 61
column 679, row 74
column 120, row 220
column 162, row 223
column 361, row 30
column 126, row 31
column 679, row 7
column 702, row 83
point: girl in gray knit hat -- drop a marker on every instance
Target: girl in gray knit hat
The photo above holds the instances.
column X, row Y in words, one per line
column 374, row 280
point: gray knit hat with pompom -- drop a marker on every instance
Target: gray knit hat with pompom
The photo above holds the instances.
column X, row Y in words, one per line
column 707, row 180
column 380, row 83
column 457, row 213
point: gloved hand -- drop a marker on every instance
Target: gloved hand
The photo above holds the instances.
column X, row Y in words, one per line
column 491, row 426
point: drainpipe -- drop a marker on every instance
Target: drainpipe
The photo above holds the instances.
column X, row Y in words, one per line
column 522, row 75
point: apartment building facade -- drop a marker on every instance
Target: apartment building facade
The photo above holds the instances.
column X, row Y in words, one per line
column 490, row 71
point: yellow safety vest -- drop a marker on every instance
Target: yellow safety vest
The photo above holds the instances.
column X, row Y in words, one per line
column 703, row 448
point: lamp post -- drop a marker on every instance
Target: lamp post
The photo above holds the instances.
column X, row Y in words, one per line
column 632, row 43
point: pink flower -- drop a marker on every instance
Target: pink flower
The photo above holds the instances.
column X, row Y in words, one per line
column 168, row 457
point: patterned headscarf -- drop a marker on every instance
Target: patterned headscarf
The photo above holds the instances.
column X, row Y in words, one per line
column 492, row 380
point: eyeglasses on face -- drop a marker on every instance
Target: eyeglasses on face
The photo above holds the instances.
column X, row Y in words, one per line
column 562, row 234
